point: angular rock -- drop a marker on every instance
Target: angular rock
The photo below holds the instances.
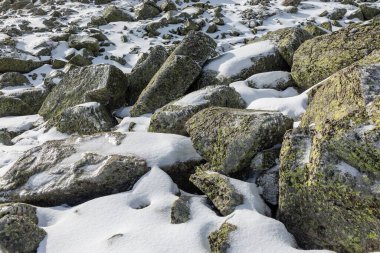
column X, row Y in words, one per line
column 146, row 10
column 241, row 63
column 87, row 118
column 230, row 138
column 15, row 60
column 369, row 11
column 218, row 189
column 180, row 212
column 82, row 41
column 320, row 57
column 104, row 84
column 219, row 239
column 329, row 176
column 172, row 117
column 114, row 14
column 288, row 41
column 143, row 72
column 13, row 79
column 18, row 228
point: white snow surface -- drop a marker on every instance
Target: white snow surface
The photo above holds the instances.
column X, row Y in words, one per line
column 139, row 221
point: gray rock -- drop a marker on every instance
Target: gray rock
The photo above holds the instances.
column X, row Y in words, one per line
column 146, row 10
column 230, row 138
column 369, row 11
column 15, row 60
column 172, row 117
column 13, row 79
column 82, row 41
column 114, row 14
column 180, row 212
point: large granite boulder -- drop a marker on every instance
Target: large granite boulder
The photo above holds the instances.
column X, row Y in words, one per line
column 15, row 60
column 104, row 84
column 176, row 75
column 229, row 138
column 172, row 117
column 144, row 70
column 329, row 175
column 288, row 41
column 241, row 63
column 18, row 228
column 322, row 56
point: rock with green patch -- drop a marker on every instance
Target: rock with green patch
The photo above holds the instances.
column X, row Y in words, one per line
column 82, row 41
column 13, row 79
column 87, row 118
column 219, row 239
column 314, row 30
column 329, row 175
column 24, row 102
column 322, row 56
column 144, row 70
column 104, row 84
column 229, row 138
column 241, row 63
column 176, row 75
column 68, row 171
column 180, row 212
column 172, row 117
column 218, row 189
column 288, row 41
column 115, row 14
column 15, row 60
column 18, row 228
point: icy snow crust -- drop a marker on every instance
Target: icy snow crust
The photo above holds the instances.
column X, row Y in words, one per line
column 139, row 220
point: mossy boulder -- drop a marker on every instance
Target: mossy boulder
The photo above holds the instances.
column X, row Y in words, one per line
column 13, row 79
column 219, row 239
column 68, row 171
column 146, row 10
column 87, row 118
column 104, row 84
column 288, row 41
column 322, row 56
column 229, row 138
column 177, row 74
column 218, row 189
column 18, row 228
column 15, row 60
column 83, row 41
column 329, row 175
column 115, row 14
column 24, row 102
column 369, row 10
column 144, row 70
column 172, row 117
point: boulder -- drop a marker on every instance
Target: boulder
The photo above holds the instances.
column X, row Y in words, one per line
column 219, row 240
column 18, row 228
column 83, row 41
column 229, row 138
column 24, row 102
column 144, row 70
column 287, row 41
column 322, row 56
column 172, row 117
column 147, row 10
column 15, row 60
column 329, row 175
column 114, row 14
column 104, row 84
column 87, row 118
column 241, row 63
column 180, row 212
column 369, row 10
column 13, row 79
column 176, row 75
column 218, row 189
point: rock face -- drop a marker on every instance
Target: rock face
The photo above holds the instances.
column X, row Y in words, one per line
column 218, row 189
column 14, row 60
column 173, row 117
column 176, row 75
column 61, row 172
column 322, row 56
column 241, row 63
column 143, row 72
column 104, row 84
column 287, row 41
column 329, row 176
column 230, row 138
column 18, row 228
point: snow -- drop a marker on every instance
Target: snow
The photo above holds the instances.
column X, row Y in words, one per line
column 195, row 98
column 139, row 220
column 234, row 61
column 19, row 123
column 268, row 79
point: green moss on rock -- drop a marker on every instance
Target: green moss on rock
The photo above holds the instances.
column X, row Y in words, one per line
column 219, row 239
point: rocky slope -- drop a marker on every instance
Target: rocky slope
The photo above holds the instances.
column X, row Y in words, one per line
column 189, row 126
